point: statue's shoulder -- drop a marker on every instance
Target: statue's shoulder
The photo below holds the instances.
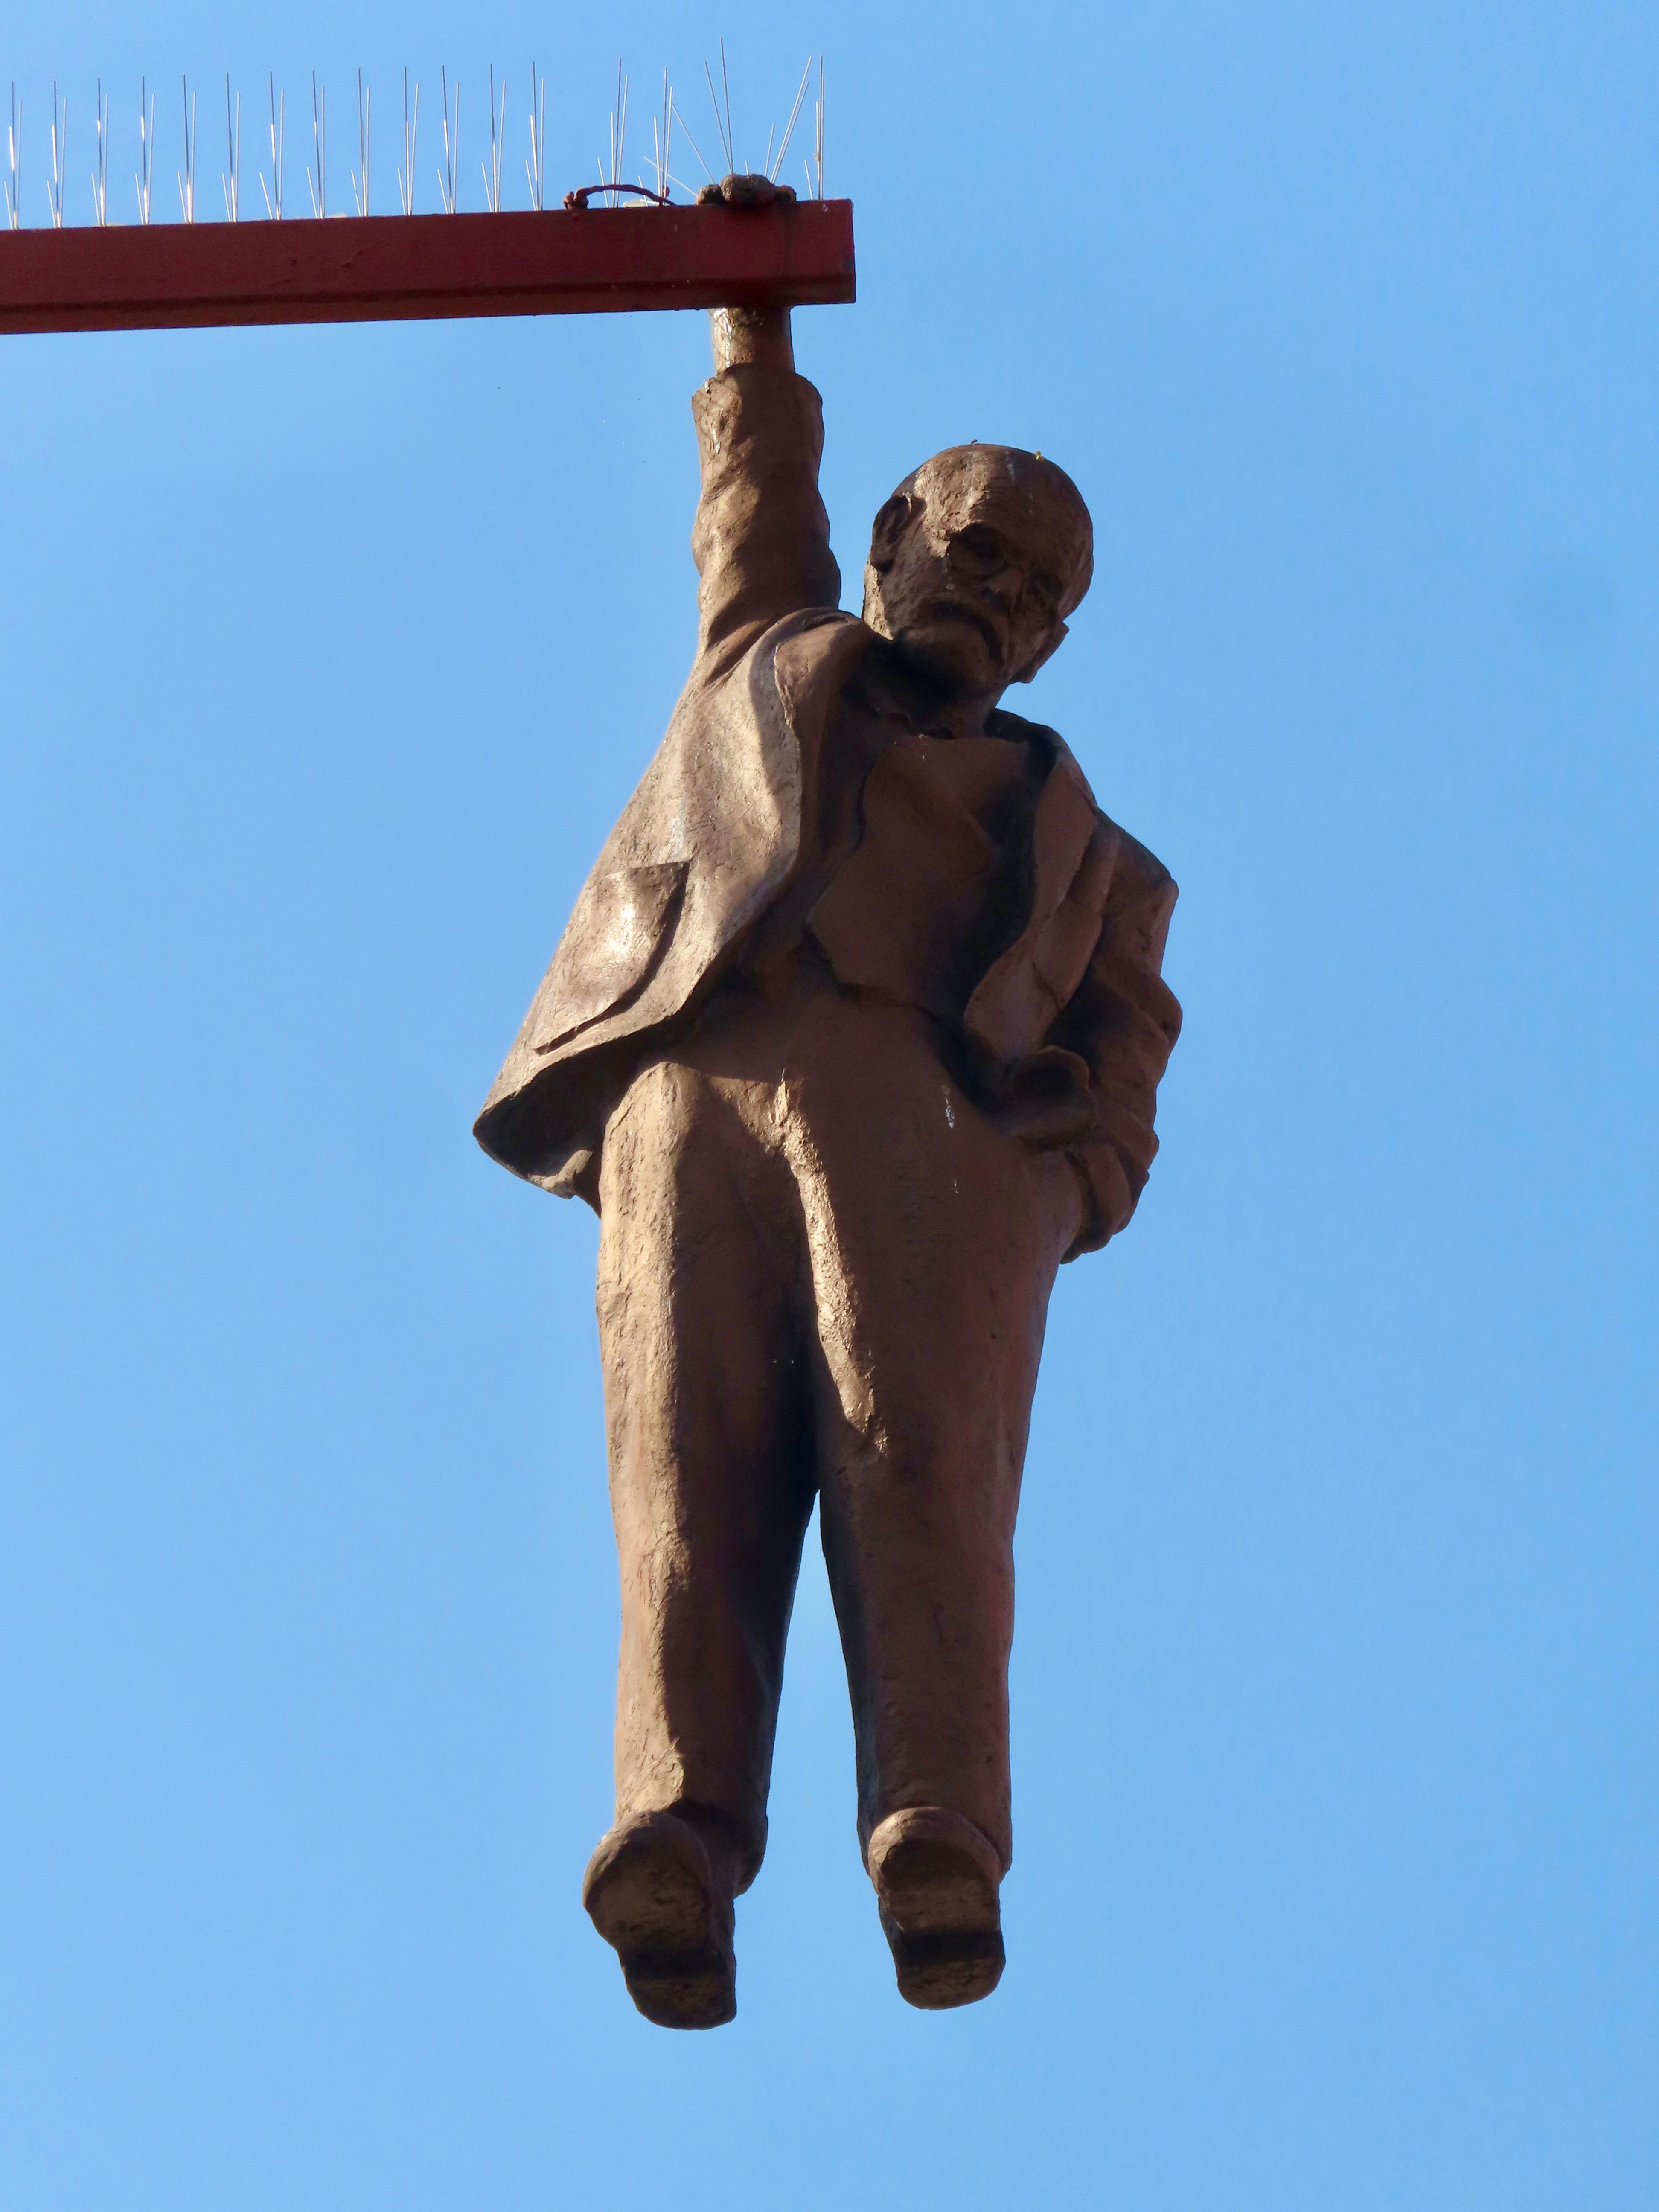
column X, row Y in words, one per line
column 1137, row 872
column 1139, row 869
column 804, row 640
column 803, row 662
column 1050, row 750
column 814, row 636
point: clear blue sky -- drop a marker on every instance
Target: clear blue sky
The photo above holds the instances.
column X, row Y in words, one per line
column 327, row 659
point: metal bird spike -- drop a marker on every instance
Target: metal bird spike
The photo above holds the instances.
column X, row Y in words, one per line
column 820, row 129
column 14, row 165
column 720, row 123
column 100, row 170
column 59, row 153
column 273, row 191
column 317, row 177
column 533, row 168
column 659, row 140
column 675, row 109
column 492, row 168
column 411, row 133
column 448, row 174
column 789, row 127
column 187, row 181
column 365, row 139
column 618, row 133
column 145, row 180
column 232, row 183
column 731, row 137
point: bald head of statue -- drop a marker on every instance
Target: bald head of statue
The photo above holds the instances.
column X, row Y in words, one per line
column 974, row 563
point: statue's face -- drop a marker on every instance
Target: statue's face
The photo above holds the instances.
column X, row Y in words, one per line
column 976, row 562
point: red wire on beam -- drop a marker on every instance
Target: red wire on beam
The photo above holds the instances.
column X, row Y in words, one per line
column 371, row 269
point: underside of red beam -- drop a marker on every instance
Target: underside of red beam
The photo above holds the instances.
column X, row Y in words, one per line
column 372, row 269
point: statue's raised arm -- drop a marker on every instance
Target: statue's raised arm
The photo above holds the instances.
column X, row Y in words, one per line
column 762, row 538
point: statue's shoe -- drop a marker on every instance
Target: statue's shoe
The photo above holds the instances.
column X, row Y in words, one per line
column 652, row 1893
column 936, row 1878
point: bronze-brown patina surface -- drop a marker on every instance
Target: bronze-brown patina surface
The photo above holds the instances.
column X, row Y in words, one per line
column 852, row 1038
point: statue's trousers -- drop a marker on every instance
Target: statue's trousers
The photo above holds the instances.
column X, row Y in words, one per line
column 822, row 1272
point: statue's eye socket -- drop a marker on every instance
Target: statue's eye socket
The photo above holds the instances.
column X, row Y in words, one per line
column 978, row 549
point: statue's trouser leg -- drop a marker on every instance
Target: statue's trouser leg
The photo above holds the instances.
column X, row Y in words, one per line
column 933, row 1240
column 707, row 1404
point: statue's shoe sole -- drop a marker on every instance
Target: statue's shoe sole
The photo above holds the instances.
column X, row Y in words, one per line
column 650, row 1891
column 936, row 1878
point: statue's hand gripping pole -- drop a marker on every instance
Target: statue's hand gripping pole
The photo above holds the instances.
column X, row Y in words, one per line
column 757, row 334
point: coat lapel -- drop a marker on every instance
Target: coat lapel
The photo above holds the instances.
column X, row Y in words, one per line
column 1073, row 850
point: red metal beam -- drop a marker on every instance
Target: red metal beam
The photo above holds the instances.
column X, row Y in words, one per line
column 374, row 269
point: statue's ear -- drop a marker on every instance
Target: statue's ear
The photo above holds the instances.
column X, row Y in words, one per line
column 889, row 527
column 1050, row 646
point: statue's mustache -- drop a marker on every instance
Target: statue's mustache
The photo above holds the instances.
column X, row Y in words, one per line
column 963, row 610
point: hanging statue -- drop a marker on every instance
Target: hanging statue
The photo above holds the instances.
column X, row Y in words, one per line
column 852, row 1037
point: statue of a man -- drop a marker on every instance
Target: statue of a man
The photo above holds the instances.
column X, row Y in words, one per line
column 852, row 1037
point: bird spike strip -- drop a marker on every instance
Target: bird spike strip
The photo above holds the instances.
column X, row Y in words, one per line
column 593, row 256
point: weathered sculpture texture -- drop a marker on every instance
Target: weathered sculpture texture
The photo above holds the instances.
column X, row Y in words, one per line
column 852, row 1037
